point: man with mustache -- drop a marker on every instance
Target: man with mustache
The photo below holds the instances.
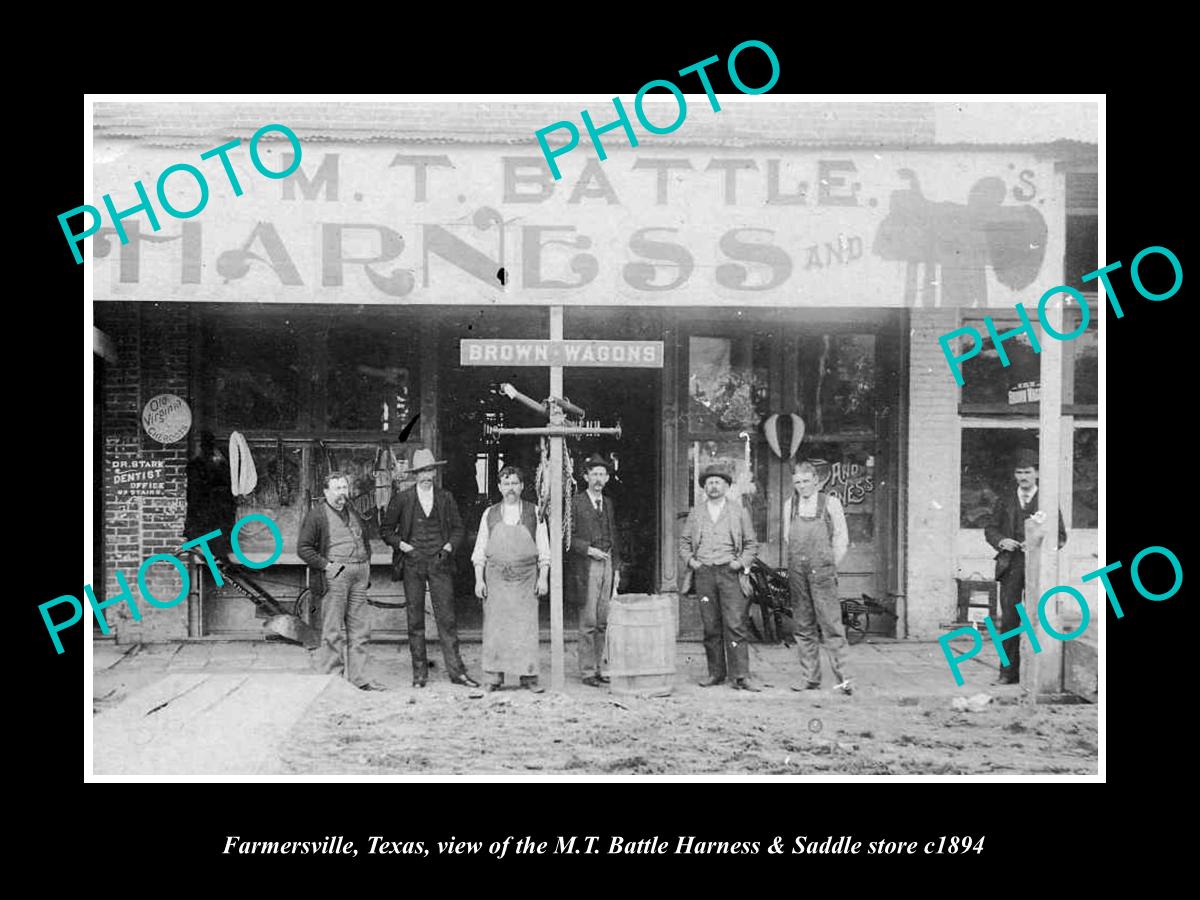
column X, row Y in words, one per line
column 593, row 567
column 333, row 541
column 716, row 545
column 512, row 567
column 1006, row 532
column 424, row 528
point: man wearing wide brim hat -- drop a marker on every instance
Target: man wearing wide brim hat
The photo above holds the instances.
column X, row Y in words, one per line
column 425, row 530
column 593, row 566
column 717, row 545
column 1006, row 532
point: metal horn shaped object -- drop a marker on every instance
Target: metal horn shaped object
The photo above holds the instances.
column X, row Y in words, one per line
column 797, row 434
column 771, row 432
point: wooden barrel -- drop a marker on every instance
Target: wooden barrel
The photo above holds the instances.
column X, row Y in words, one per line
column 640, row 644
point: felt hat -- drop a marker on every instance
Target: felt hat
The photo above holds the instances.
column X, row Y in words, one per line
column 1026, row 459
column 719, row 471
column 423, row 459
column 597, row 460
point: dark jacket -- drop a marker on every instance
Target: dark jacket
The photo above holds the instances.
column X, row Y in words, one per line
column 400, row 516
column 689, row 540
column 1008, row 521
column 210, row 504
column 585, row 530
column 312, row 545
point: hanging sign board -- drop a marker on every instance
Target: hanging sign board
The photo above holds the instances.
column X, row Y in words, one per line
column 515, row 352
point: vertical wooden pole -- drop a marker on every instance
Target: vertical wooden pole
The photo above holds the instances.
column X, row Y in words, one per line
column 668, row 461
column 1044, row 676
column 427, row 402
column 557, row 678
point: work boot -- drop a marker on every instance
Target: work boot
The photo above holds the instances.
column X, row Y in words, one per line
column 746, row 684
column 806, row 686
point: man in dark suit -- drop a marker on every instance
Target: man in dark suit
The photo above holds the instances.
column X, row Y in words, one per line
column 593, row 567
column 1006, row 532
column 424, row 529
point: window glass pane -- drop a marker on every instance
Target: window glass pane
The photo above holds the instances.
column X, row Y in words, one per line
column 277, row 466
column 726, row 390
column 371, row 384
column 1085, row 496
column 1087, row 379
column 987, row 469
column 358, row 462
column 990, row 387
column 256, row 375
column 847, row 469
column 277, row 495
column 1082, row 251
column 986, row 382
column 836, row 382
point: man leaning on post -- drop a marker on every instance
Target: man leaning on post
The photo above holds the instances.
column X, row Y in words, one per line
column 1006, row 532
column 335, row 544
column 717, row 545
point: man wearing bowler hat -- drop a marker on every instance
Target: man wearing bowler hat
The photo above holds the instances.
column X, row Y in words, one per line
column 592, row 566
column 1006, row 532
column 716, row 546
column 424, row 528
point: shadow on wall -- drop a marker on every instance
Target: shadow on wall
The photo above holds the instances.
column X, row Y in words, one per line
column 955, row 242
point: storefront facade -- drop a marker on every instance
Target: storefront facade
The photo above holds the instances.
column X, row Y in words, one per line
column 320, row 317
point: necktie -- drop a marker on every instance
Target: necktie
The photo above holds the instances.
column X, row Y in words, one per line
column 600, row 505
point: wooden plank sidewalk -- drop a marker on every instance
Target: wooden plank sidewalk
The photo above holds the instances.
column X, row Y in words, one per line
column 197, row 723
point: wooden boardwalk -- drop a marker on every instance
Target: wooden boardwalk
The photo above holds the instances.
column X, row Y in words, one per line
column 197, row 723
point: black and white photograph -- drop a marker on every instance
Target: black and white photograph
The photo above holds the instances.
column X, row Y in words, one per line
column 564, row 439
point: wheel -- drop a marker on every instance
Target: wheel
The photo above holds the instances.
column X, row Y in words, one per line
column 306, row 607
column 855, row 630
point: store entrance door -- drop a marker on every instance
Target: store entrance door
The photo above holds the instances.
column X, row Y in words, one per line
column 746, row 378
column 633, row 398
column 468, row 398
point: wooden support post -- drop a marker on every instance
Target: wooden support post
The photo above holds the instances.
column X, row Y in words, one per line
column 1042, row 673
column 557, row 675
column 558, row 353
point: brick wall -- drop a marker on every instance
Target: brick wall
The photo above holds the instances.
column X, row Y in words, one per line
column 933, row 481
column 151, row 342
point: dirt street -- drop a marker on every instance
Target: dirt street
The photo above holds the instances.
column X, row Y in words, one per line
column 901, row 720
column 712, row 731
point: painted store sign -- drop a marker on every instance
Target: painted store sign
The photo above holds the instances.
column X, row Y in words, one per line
column 473, row 225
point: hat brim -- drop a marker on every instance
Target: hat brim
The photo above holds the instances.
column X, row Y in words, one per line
column 432, row 465
column 723, row 475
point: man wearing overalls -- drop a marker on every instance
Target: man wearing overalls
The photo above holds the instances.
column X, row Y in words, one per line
column 814, row 529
